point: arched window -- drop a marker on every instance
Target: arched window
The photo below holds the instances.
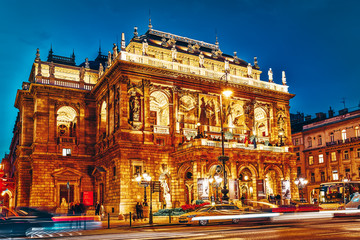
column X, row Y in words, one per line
column 261, row 122
column 159, row 109
column 103, row 119
column 357, row 131
column 66, row 122
column 332, row 138
column 343, row 134
column 309, row 142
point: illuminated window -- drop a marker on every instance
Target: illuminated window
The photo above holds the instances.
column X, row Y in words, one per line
column 333, row 156
column 311, row 160
column 296, row 142
column 309, row 142
column 346, row 155
column 66, row 152
column 343, row 134
column 335, row 175
column 332, row 138
column 357, row 131
column 319, row 140
column 321, row 158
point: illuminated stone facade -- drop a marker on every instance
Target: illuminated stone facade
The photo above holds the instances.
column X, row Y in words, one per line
column 154, row 106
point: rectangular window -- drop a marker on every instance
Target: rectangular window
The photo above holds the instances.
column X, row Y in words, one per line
column 346, row 155
column 319, row 140
column 311, row 160
column 321, row 158
column 343, row 135
column 66, row 152
column 335, row 175
column 296, row 142
column 332, row 138
column 309, row 142
column 312, row 177
column 323, row 176
column 299, row 171
column 333, row 156
column 347, row 173
column 137, row 170
column 114, row 171
column 358, row 152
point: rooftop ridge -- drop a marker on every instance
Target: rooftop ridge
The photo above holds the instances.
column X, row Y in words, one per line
column 184, row 39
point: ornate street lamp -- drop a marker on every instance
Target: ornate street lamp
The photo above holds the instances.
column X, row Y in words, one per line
column 144, row 181
column 301, row 183
column 224, row 158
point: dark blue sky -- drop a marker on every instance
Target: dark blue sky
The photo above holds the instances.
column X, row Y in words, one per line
column 314, row 41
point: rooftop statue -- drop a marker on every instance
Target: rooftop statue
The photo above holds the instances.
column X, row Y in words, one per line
column 201, row 59
column 283, row 78
column 249, row 70
column 87, row 65
column 144, row 47
column 115, row 51
column 109, row 59
column 270, row 73
column 101, row 70
column 173, row 53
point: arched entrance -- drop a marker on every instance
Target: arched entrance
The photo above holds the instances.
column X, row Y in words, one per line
column 246, row 188
column 189, row 186
column 273, row 177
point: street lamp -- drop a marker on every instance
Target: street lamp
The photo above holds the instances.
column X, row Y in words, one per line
column 223, row 158
column 216, row 184
column 198, row 128
column 144, row 181
column 301, row 183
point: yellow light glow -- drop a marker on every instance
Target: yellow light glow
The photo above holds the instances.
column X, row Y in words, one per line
column 227, row 93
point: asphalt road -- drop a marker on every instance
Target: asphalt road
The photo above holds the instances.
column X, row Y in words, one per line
column 345, row 228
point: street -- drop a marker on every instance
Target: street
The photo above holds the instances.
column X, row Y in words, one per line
column 338, row 228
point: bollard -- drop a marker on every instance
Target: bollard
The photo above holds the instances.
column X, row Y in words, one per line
column 130, row 218
column 108, row 220
column 84, row 221
column 169, row 217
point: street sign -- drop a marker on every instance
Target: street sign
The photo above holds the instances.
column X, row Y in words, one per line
column 156, row 186
column 144, row 183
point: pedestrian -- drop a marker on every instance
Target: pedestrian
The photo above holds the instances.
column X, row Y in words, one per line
column 97, row 208
column 138, row 209
column 141, row 211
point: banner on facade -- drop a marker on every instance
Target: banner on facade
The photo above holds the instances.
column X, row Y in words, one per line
column 285, row 189
column 234, row 188
column 203, row 188
column 88, row 198
column 260, row 188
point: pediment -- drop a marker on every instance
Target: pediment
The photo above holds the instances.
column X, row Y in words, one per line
column 67, row 173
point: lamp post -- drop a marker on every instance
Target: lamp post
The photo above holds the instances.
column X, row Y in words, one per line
column 301, row 183
column 223, row 158
column 216, row 184
column 145, row 181
column 281, row 134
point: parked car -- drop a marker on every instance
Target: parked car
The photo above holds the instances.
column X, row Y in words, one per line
column 18, row 222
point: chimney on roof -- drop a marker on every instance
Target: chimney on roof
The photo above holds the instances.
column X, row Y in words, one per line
column 331, row 113
column 320, row 115
column 343, row 111
column 307, row 117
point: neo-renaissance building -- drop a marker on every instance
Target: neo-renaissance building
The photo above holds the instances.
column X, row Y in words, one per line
column 152, row 105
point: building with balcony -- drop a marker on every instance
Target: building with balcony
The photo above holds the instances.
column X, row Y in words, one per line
column 328, row 149
column 152, row 105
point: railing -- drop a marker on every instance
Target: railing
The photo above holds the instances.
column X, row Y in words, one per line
column 65, row 83
column 211, row 143
column 339, row 142
column 162, row 129
column 71, row 140
column 201, row 71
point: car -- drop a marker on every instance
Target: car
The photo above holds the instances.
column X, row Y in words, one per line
column 222, row 213
column 210, row 211
column 16, row 223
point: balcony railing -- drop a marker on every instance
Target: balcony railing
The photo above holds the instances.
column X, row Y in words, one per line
column 67, row 140
column 201, row 71
column 162, row 129
column 211, row 143
column 339, row 142
column 65, row 83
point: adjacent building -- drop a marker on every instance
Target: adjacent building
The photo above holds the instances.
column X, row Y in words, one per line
column 327, row 149
column 85, row 132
